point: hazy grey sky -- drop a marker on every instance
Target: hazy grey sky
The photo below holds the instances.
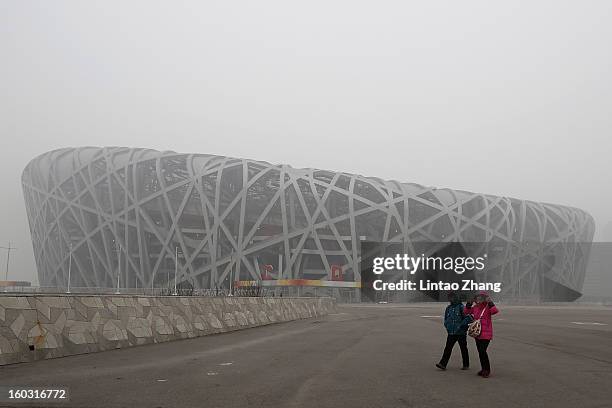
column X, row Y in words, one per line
column 512, row 98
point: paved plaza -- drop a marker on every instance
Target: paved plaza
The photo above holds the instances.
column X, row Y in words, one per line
column 362, row 356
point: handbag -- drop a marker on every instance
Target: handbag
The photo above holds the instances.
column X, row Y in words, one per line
column 475, row 327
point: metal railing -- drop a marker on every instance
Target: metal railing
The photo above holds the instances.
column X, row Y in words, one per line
column 343, row 295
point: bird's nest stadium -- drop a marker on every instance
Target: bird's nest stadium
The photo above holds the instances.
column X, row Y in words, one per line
column 131, row 217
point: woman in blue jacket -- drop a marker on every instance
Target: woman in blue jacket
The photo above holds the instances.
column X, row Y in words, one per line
column 455, row 322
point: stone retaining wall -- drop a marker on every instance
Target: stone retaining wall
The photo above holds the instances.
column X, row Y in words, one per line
column 34, row 327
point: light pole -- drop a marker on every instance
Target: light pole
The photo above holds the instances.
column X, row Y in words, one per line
column 152, row 280
column 69, row 267
column 118, row 249
column 168, row 277
column 8, row 248
column 175, row 267
column 231, row 275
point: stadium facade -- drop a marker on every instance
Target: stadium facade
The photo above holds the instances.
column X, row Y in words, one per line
column 128, row 214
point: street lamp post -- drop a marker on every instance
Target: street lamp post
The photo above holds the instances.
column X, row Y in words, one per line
column 69, row 268
column 8, row 248
column 231, row 275
column 118, row 267
column 168, row 278
column 152, row 280
column 175, row 268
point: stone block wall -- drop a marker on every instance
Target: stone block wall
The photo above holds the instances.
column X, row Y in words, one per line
column 34, row 327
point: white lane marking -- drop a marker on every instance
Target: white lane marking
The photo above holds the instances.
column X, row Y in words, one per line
column 226, row 364
column 211, row 373
column 591, row 323
column 162, row 380
column 428, row 316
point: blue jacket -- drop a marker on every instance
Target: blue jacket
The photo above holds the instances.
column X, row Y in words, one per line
column 455, row 319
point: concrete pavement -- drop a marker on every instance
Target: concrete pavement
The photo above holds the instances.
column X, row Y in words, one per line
column 363, row 356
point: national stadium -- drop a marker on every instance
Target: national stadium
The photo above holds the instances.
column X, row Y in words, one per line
column 140, row 218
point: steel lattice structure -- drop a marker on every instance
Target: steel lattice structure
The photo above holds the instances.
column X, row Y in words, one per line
column 130, row 209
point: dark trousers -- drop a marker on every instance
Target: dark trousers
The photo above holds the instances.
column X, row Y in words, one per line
column 481, row 346
column 448, row 349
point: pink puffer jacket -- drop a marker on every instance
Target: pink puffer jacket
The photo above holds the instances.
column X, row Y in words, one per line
column 486, row 323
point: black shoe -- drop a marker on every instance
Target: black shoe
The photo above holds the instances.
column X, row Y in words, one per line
column 440, row 366
column 465, row 368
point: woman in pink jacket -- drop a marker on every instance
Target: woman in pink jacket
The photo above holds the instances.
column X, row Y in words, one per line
column 483, row 309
